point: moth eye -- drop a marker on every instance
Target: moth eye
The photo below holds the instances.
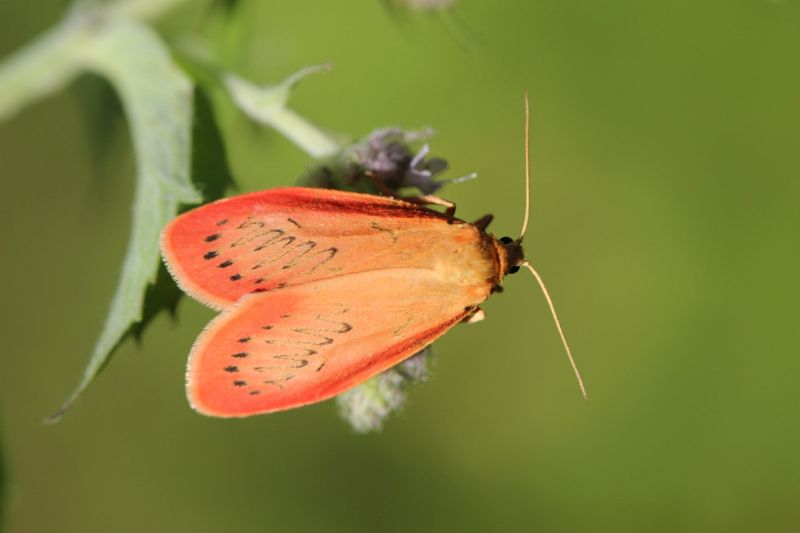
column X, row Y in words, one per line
column 506, row 240
column 513, row 270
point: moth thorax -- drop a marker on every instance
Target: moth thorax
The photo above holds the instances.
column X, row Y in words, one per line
column 467, row 269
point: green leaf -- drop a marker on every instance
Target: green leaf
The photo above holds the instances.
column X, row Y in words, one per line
column 211, row 175
column 57, row 57
column 210, row 168
column 42, row 68
column 104, row 119
column 105, row 38
column 157, row 98
column 268, row 106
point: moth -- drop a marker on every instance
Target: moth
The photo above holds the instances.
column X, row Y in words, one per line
column 319, row 290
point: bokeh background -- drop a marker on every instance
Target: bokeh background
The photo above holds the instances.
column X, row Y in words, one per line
column 665, row 221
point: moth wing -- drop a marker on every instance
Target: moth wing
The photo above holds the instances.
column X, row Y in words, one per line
column 270, row 239
column 303, row 344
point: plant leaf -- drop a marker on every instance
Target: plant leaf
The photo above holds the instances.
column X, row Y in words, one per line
column 157, row 98
column 104, row 119
column 210, row 169
column 41, row 68
column 56, row 58
column 211, row 175
column 267, row 105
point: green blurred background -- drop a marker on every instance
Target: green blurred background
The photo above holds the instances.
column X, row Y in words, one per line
column 665, row 221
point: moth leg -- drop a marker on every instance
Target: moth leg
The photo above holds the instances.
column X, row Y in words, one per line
column 380, row 184
column 483, row 222
column 425, row 199
column 475, row 316
column 432, row 199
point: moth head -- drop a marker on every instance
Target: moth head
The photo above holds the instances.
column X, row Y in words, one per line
column 515, row 257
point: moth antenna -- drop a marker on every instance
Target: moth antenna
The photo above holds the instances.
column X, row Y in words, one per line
column 527, row 170
column 558, row 326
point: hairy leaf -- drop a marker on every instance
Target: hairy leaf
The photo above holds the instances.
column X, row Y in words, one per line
column 267, row 105
column 104, row 119
column 211, row 175
column 57, row 57
column 157, row 98
column 41, row 68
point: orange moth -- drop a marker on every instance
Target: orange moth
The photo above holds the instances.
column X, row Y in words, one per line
column 321, row 290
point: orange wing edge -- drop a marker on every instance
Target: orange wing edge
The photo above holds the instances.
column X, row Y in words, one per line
column 182, row 279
